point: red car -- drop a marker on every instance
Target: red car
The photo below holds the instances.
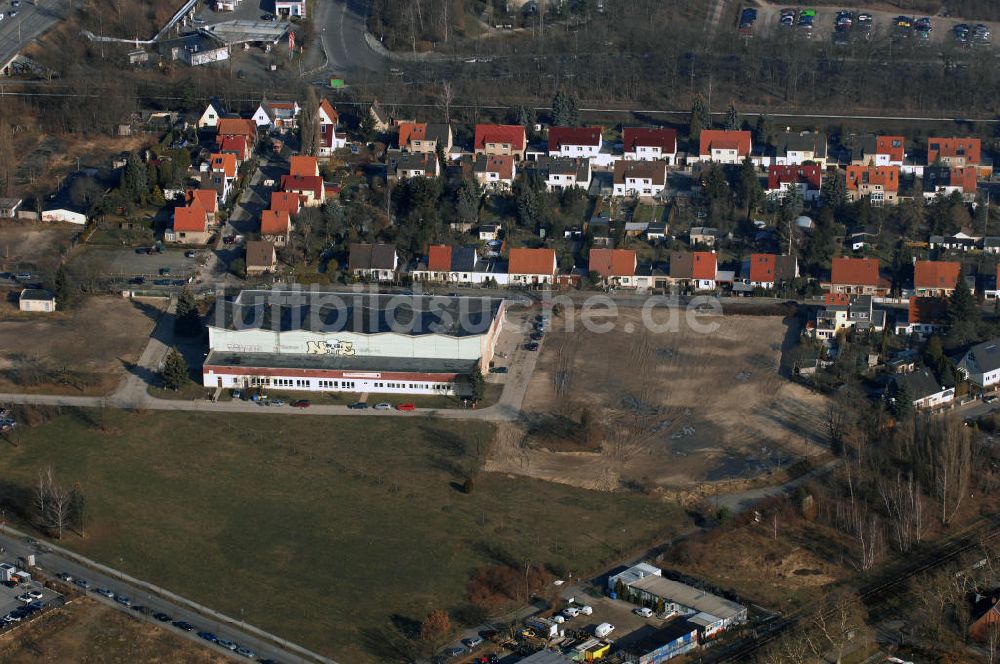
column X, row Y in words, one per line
column 301, row 403
column 406, row 406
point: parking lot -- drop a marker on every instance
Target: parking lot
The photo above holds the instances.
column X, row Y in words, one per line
column 126, row 263
column 788, row 21
column 249, row 10
column 19, row 600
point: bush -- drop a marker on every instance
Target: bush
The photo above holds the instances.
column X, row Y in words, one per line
column 468, row 486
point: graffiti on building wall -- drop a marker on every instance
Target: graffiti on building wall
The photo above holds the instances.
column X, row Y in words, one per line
column 335, row 347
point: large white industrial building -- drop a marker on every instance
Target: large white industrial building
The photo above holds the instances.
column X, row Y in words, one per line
column 351, row 342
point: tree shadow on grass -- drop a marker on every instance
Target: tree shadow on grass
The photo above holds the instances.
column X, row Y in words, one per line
column 388, row 644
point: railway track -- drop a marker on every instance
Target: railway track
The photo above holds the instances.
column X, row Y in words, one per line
column 873, row 594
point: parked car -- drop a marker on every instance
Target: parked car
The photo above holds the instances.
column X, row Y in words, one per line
column 208, row 636
column 104, row 592
column 301, row 403
column 190, row 253
column 531, row 346
column 498, row 370
column 137, row 281
column 406, row 407
column 473, row 642
column 35, row 594
column 162, row 617
column 454, row 651
column 603, row 630
column 25, row 597
column 227, row 644
column 123, row 600
column 537, row 336
column 63, row 576
column 383, row 406
column 183, row 625
column 276, row 403
column 246, row 652
column 142, row 250
column 643, row 611
column 83, row 583
column 361, row 405
column 586, row 610
column 164, row 271
column 144, row 610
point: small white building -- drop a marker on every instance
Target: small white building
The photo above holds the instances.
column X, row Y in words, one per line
column 33, row 300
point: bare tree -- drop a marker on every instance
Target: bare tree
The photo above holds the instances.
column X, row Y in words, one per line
column 835, row 626
column 52, row 503
column 309, row 124
column 445, row 99
column 904, row 504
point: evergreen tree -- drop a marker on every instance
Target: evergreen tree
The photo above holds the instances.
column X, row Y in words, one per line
column 64, row 290
column 732, row 118
column 187, row 320
column 700, row 119
column 175, row 371
column 564, row 110
column 468, row 197
column 523, row 115
column 748, row 190
column 478, row 384
column 134, row 183
column 528, row 202
column 902, row 401
column 367, row 128
column 762, row 130
column 833, row 191
column 963, row 314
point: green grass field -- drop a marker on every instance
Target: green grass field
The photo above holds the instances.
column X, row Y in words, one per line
column 323, row 530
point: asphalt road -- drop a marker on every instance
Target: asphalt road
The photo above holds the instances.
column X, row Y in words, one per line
column 30, row 22
column 55, row 563
column 341, row 27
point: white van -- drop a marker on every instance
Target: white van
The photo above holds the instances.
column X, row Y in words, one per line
column 603, row 630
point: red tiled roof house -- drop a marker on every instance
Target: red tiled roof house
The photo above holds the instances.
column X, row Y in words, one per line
column 508, row 140
column 648, row 143
column 856, row 276
column 532, row 266
column 614, row 267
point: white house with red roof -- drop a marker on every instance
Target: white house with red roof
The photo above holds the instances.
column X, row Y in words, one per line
column 575, row 142
column 723, row 147
column 805, row 180
column 649, row 144
column 330, row 139
column 769, row 270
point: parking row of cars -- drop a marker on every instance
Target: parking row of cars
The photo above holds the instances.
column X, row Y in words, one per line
column 977, row 35
column 162, row 617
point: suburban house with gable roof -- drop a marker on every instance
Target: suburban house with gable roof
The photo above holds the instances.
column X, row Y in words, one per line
column 945, row 181
column 925, row 315
column 923, row 388
column 330, row 139
column 980, row 364
column 232, row 127
column 261, row 258
column 724, row 147
column 276, row 114
column 873, row 150
column 532, row 266
column 575, row 141
column 285, row 201
column 878, row 183
column 639, row 178
column 648, row 143
column 615, row 267
column 696, row 269
column 954, row 152
column 212, row 114
column 935, row 278
column 275, row 226
column 843, row 312
column 417, row 164
column 856, row 276
column 223, row 170
column 237, row 146
column 562, row 172
column 190, row 225
column 309, row 188
column 508, row 140
column 495, row 172
column 806, row 180
column 796, row 148
column 377, row 262
column 959, row 241
column 304, row 166
column 208, row 199
column 769, row 270
column 425, row 137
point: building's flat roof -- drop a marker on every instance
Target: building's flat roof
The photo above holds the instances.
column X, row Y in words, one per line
column 361, row 313
column 338, row 362
column 238, row 32
column 689, row 596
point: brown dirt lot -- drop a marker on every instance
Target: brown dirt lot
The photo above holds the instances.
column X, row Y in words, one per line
column 33, row 247
column 87, row 633
column 81, row 351
column 633, row 408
